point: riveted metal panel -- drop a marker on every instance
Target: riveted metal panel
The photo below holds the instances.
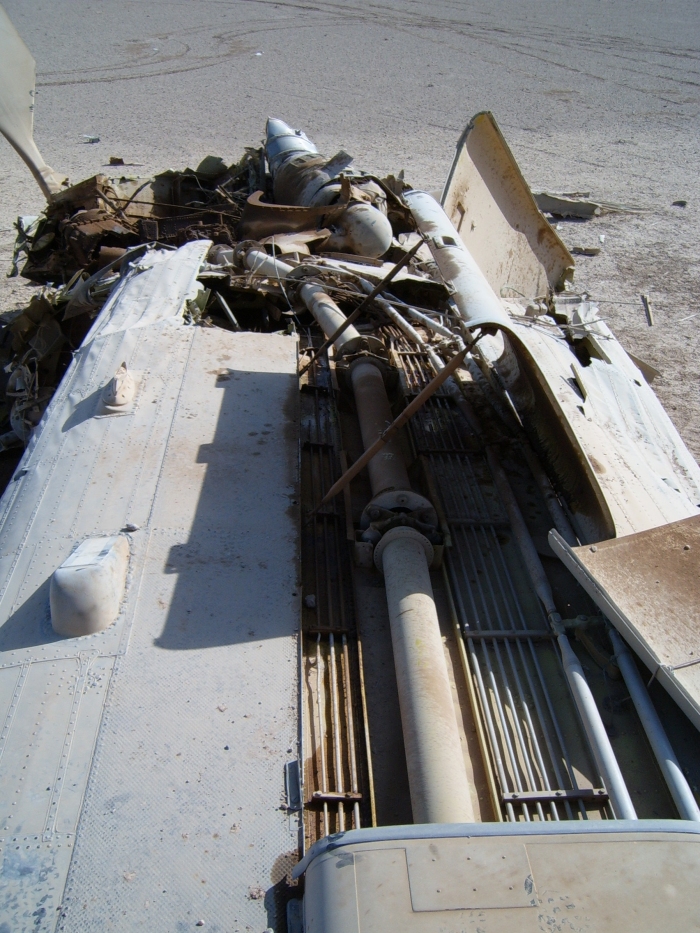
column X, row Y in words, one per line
column 456, row 874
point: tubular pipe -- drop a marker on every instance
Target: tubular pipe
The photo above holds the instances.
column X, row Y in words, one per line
column 410, row 331
column 597, row 736
column 554, row 507
column 476, row 301
column 436, row 773
column 436, row 361
column 329, row 317
column 326, row 312
column 387, row 469
column 660, row 745
column 429, row 322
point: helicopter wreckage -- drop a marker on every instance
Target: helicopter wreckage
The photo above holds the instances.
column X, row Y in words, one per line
column 345, row 543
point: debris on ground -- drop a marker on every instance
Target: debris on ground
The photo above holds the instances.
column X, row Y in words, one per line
column 579, row 205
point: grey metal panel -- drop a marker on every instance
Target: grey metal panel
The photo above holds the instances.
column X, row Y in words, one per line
column 389, row 834
column 334, row 889
column 452, row 874
column 200, row 822
column 183, row 809
column 609, row 882
column 32, row 882
column 633, row 452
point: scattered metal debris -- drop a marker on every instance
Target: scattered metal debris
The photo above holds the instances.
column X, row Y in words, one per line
column 579, row 205
column 561, row 205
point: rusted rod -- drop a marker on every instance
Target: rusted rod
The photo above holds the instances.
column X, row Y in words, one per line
column 405, row 259
column 399, row 422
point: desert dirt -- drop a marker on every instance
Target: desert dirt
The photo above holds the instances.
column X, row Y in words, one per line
column 594, row 95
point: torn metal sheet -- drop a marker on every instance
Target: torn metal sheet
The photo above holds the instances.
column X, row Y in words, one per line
column 596, row 413
column 261, row 219
column 579, row 206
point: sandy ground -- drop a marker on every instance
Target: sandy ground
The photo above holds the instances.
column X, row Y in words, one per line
column 593, row 95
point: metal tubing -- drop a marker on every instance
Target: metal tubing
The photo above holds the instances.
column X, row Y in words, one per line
column 436, row 772
column 320, row 696
column 525, row 543
column 369, row 297
column 387, row 469
column 346, row 678
column 660, row 745
column 335, row 714
column 500, row 570
column 474, row 298
column 597, row 736
column 469, row 681
column 429, row 322
column 473, row 501
column 505, row 584
column 435, row 361
column 590, row 715
column 365, row 721
column 350, row 721
column 328, row 315
column 554, row 506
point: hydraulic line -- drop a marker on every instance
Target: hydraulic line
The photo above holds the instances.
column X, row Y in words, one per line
column 475, row 300
column 328, row 315
column 660, row 745
column 517, row 754
column 593, row 724
column 436, row 772
column 387, row 469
